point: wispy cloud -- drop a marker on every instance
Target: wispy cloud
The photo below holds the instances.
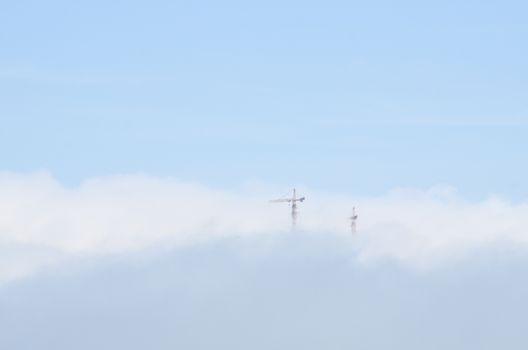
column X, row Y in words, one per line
column 44, row 222
column 47, row 76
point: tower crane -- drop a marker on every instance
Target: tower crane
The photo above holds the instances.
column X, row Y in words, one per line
column 353, row 220
column 293, row 200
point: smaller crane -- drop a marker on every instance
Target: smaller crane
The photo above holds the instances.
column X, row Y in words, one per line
column 353, row 220
column 293, row 200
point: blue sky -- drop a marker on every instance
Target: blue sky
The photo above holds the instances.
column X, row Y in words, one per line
column 356, row 97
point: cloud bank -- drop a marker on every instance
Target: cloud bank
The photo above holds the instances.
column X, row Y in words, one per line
column 45, row 223
column 305, row 293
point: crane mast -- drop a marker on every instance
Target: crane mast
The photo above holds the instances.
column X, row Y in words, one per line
column 353, row 220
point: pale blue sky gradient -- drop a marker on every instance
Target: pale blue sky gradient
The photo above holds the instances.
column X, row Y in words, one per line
column 354, row 97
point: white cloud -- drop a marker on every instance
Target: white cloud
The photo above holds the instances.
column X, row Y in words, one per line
column 43, row 222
